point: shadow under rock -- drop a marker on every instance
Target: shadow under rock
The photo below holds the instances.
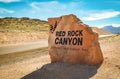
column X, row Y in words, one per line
column 63, row 71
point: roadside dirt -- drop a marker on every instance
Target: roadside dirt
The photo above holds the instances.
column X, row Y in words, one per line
column 40, row 67
column 21, row 37
column 19, row 69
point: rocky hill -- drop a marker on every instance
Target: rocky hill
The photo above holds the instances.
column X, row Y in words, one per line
column 22, row 30
column 22, row 24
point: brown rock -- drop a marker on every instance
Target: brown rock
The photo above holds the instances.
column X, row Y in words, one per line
column 73, row 42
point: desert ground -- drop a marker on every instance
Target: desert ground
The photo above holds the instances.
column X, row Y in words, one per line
column 35, row 64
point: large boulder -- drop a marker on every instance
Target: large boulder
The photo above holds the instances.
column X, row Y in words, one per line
column 72, row 41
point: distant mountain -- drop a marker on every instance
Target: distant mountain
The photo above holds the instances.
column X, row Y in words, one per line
column 112, row 29
column 100, row 31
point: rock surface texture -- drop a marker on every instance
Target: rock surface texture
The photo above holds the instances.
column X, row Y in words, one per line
column 72, row 41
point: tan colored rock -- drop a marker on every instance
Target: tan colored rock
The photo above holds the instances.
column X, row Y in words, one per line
column 73, row 42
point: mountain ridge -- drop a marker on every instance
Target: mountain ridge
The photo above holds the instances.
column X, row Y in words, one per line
column 112, row 29
column 100, row 31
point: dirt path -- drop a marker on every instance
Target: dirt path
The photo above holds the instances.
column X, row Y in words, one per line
column 110, row 69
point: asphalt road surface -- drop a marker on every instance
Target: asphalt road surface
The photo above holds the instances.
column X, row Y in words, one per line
column 22, row 47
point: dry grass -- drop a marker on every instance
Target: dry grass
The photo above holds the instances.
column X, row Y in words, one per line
column 110, row 38
column 15, row 57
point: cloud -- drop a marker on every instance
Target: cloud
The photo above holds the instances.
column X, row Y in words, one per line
column 103, row 15
column 8, row 1
column 3, row 10
column 1, row 17
column 43, row 10
column 34, row 5
column 115, row 25
column 51, row 6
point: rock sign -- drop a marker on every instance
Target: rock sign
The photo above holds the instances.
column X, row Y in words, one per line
column 72, row 41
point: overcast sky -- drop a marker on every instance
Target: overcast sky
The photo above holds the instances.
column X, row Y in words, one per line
column 91, row 12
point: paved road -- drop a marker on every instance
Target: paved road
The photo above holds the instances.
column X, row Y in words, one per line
column 28, row 46
column 101, row 36
column 22, row 47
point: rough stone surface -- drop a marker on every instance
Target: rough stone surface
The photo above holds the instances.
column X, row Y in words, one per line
column 71, row 41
